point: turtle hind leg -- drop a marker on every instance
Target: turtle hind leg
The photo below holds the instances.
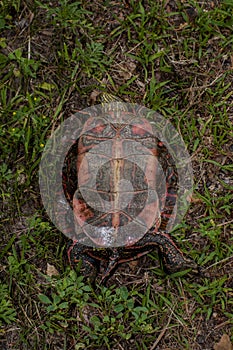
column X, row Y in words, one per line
column 172, row 258
column 78, row 257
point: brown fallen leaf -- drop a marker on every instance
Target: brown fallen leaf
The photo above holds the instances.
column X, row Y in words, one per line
column 51, row 270
column 126, row 69
column 194, row 199
column 93, row 96
column 224, row 343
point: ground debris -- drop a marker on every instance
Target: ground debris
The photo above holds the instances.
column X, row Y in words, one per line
column 224, row 343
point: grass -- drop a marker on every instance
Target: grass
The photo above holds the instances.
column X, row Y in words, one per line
column 175, row 58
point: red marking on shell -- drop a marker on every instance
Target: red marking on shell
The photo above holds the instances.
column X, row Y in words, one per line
column 95, row 126
column 116, row 220
column 81, row 211
column 142, row 128
column 99, row 129
column 137, row 130
column 85, row 169
column 150, row 171
column 151, row 215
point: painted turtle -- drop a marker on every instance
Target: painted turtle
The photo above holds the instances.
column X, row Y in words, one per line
column 129, row 135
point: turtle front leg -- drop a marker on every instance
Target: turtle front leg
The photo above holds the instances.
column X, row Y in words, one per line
column 78, row 254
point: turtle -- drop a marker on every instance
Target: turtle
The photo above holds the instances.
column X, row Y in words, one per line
column 107, row 240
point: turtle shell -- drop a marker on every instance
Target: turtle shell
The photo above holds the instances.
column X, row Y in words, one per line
column 120, row 181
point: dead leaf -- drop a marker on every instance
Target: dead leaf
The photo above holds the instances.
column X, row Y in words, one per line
column 194, row 199
column 224, row 343
column 126, row 69
column 93, row 96
column 51, row 270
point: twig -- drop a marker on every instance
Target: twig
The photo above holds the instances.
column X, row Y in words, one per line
column 219, row 262
column 162, row 332
column 29, row 47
